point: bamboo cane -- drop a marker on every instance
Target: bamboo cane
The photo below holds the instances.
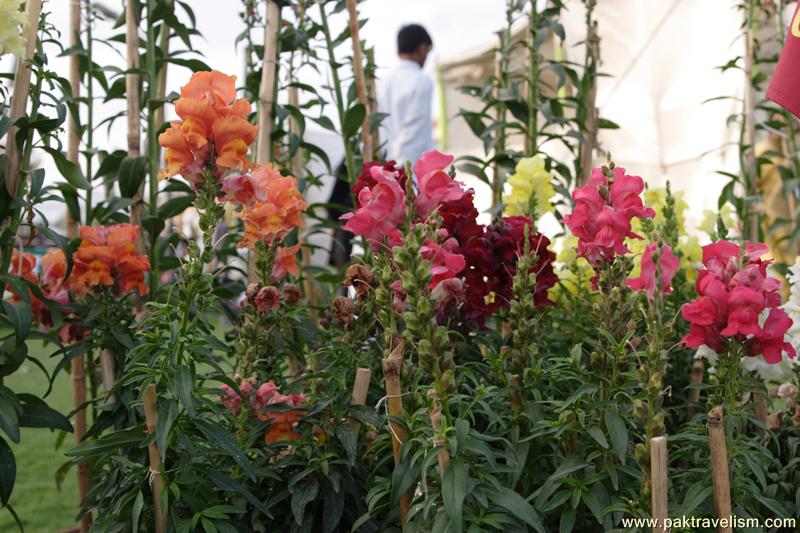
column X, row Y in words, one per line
column 658, row 480
column 266, row 100
column 373, row 103
column 392, row 366
column 760, row 408
column 73, row 126
column 360, row 389
column 19, row 100
column 698, row 369
column 133, row 109
column 156, row 481
column 77, row 371
column 719, row 467
column 108, row 374
column 361, row 82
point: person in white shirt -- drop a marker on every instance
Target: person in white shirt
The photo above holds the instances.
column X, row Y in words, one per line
column 406, row 98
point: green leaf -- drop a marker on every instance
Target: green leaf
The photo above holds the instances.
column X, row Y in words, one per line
column 71, row 172
column 348, row 436
column 175, row 206
column 136, row 512
column 597, row 434
column 132, row 171
column 168, row 412
column 10, row 410
column 218, row 436
column 119, row 439
column 353, row 119
column 183, row 387
column 604, row 123
column 20, row 317
column 39, row 415
column 8, row 472
column 302, row 494
column 227, row 483
column 618, row 432
column 517, row 506
column 454, row 487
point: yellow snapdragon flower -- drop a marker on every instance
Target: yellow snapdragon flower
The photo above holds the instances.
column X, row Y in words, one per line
column 12, row 21
column 531, row 178
column 709, row 224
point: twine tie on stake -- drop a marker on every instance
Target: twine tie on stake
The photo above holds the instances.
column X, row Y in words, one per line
column 386, row 410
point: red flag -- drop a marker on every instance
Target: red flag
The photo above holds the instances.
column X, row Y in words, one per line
column 784, row 89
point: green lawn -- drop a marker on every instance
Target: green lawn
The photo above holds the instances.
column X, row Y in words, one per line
column 41, row 506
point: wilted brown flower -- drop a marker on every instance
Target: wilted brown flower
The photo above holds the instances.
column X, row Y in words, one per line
column 267, row 299
column 343, row 308
column 360, row 278
column 291, row 293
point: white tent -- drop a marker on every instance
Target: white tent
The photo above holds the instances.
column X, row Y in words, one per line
column 662, row 60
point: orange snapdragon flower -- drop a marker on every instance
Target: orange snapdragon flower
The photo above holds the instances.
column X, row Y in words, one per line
column 23, row 266
column 286, row 262
column 211, row 115
column 54, row 268
column 282, row 426
column 107, row 257
column 271, row 219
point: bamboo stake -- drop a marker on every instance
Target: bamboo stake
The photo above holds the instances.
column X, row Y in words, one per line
column 73, row 126
column 719, row 467
column 361, row 82
column 373, row 103
column 108, row 374
column 134, row 111
column 19, row 100
column 392, row 367
column 77, row 370
column 698, row 369
column 658, row 472
column 360, row 389
column 760, row 408
column 266, row 100
column 156, row 481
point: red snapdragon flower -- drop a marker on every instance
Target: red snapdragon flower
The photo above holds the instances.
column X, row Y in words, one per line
column 646, row 281
column 737, row 300
column 603, row 211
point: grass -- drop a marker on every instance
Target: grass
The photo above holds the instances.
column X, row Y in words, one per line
column 41, row 506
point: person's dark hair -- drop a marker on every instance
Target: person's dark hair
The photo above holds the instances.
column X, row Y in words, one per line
column 410, row 37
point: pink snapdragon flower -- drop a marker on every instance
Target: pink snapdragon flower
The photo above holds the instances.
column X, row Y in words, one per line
column 382, row 209
column 445, row 262
column 602, row 216
column 435, row 184
column 737, row 300
column 646, row 281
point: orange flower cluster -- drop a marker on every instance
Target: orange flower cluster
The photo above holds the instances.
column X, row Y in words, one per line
column 24, row 266
column 272, row 205
column 213, row 126
column 107, row 258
